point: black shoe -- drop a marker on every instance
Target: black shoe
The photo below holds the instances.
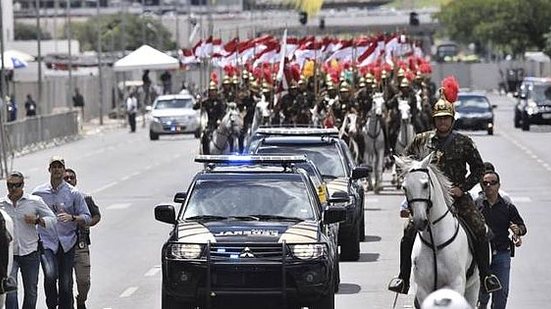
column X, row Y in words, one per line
column 81, row 306
column 398, row 285
column 491, row 284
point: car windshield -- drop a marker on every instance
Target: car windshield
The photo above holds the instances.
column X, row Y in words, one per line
column 470, row 104
column 541, row 93
column 174, row 103
column 326, row 157
column 240, row 195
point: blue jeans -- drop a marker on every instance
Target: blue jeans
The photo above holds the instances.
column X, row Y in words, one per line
column 29, row 265
column 501, row 267
column 58, row 267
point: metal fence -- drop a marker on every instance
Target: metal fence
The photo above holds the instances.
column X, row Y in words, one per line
column 34, row 131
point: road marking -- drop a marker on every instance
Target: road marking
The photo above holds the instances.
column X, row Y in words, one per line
column 128, row 292
column 153, row 271
column 119, row 206
column 107, row 186
column 521, row 199
column 540, row 161
column 372, row 200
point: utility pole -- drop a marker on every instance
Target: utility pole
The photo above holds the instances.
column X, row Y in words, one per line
column 68, row 27
column 100, row 75
column 143, row 22
column 56, row 8
column 39, row 55
column 4, row 169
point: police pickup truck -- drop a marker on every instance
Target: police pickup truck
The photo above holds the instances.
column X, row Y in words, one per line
column 250, row 226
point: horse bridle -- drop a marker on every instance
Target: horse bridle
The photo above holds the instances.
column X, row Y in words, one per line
column 431, row 244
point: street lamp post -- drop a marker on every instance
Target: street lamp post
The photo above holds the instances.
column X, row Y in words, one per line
column 100, row 75
column 68, row 27
column 39, row 53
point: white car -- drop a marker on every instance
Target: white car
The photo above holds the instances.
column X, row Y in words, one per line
column 174, row 114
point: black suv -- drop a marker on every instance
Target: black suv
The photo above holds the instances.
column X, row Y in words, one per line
column 332, row 157
column 534, row 103
column 249, row 227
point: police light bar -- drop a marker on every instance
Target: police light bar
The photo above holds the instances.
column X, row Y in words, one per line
column 248, row 160
column 298, row 131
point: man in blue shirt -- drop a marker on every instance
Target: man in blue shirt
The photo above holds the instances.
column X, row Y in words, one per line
column 59, row 242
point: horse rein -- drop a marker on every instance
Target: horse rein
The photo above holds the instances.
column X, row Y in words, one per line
column 431, row 244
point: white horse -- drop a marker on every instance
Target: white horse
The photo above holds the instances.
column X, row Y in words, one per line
column 349, row 131
column 374, row 140
column 441, row 254
column 406, row 134
column 226, row 135
column 6, row 249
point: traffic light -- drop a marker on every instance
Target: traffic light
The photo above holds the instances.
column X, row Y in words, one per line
column 413, row 19
column 303, row 17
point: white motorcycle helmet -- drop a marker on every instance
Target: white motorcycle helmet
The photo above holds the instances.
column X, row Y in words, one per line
column 445, row 298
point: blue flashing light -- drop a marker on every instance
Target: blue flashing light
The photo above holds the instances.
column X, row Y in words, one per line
column 248, row 160
column 297, row 131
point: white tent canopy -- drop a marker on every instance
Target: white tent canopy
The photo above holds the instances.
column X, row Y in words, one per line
column 146, row 58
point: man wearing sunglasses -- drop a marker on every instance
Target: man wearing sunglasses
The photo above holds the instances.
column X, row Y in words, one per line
column 59, row 243
column 501, row 216
column 82, row 252
column 27, row 211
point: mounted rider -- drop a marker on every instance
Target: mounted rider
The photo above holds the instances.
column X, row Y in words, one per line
column 215, row 107
column 364, row 96
column 452, row 153
column 344, row 105
column 228, row 89
column 288, row 102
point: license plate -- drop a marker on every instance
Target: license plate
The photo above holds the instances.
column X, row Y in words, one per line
column 546, row 116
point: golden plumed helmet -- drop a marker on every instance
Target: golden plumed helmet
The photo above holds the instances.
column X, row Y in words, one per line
column 401, row 72
column 369, row 78
column 330, row 85
column 404, row 83
column 226, row 80
column 345, row 87
column 384, row 74
column 245, row 74
column 361, row 82
column 253, row 86
column 266, row 87
column 235, row 80
column 448, row 95
column 213, row 85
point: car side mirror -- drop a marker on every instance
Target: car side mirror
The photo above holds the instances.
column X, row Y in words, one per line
column 148, row 108
column 180, row 197
column 165, row 213
column 361, row 172
column 494, row 106
column 339, row 197
column 334, row 215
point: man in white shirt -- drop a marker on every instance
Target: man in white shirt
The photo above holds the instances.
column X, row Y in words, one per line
column 132, row 109
column 27, row 211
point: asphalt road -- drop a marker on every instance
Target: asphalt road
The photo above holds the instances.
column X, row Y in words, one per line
column 128, row 175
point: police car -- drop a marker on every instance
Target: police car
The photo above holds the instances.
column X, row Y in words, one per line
column 250, row 226
column 332, row 157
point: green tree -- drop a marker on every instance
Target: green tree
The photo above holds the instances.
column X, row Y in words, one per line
column 122, row 32
column 28, row 32
column 512, row 26
column 547, row 48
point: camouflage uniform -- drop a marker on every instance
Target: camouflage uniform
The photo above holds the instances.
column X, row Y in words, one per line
column 451, row 155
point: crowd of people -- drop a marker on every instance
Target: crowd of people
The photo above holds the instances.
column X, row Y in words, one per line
column 51, row 231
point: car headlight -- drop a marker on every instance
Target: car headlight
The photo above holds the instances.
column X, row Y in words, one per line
column 308, row 251
column 185, row 251
column 156, row 119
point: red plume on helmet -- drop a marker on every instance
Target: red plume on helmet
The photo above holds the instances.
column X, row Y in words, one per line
column 450, row 88
column 214, row 77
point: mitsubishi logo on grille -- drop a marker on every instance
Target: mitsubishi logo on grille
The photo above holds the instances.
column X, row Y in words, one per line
column 246, row 253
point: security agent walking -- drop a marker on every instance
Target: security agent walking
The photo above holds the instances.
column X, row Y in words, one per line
column 453, row 152
column 27, row 211
column 59, row 242
column 132, row 110
column 501, row 216
column 82, row 252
